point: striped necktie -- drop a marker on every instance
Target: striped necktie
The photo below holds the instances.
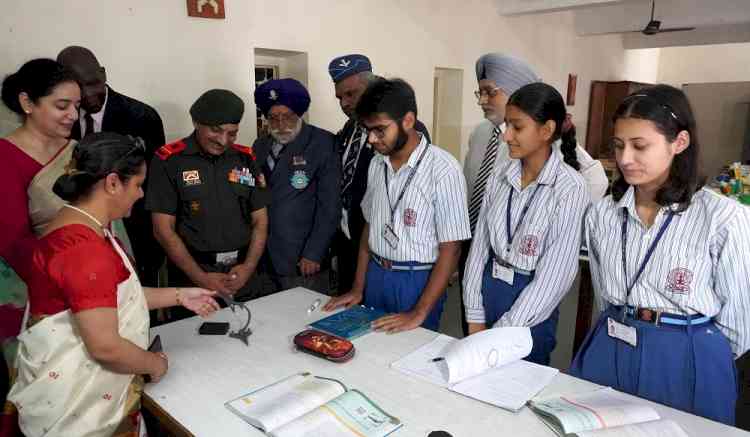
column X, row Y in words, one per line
column 273, row 157
column 350, row 165
column 485, row 170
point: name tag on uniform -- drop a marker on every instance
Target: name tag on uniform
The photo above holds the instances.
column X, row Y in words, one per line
column 227, row 258
column 502, row 272
column 390, row 237
column 622, row 332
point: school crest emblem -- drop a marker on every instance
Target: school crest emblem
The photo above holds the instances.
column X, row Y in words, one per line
column 678, row 280
column 410, row 217
column 528, row 245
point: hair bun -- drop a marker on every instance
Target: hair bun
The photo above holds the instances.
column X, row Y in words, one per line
column 69, row 187
column 10, row 91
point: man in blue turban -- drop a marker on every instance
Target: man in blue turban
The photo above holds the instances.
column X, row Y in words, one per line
column 300, row 166
column 351, row 75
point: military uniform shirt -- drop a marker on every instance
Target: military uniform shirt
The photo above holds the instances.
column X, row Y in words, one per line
column 212, row 197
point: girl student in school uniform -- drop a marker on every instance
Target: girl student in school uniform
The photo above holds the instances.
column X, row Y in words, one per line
column 669, row 265
column 524, row 256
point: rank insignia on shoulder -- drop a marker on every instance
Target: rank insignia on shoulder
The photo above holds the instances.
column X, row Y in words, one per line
column 242, row 176
column 245, row 150
column 167, row 150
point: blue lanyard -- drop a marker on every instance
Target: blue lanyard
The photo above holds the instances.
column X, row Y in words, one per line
column 509, row 236
column 650, row 251
column 406, row 185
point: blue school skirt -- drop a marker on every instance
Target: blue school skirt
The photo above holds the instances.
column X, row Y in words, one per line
column 499, row 296
column 687, row 366
column 397, row 291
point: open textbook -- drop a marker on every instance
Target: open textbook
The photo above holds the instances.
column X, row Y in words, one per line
column 305, row 405
column 603, row 413
column 486, row 366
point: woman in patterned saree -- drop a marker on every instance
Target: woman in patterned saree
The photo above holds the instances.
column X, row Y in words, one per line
column 46, row 98
column 81, row 359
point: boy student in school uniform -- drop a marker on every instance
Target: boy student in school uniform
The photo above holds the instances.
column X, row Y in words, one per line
column 668, row 262
column 523, row 257
column 416, row 212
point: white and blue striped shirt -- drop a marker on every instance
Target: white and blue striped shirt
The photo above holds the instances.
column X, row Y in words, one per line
column 700, row 265
column 433, row 210
column 547, row 241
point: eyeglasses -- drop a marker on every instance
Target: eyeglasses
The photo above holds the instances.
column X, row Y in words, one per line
column 489, row 93
column 378, row 131
column 286, row 119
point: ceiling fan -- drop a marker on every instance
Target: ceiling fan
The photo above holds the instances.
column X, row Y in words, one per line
column 654, row 26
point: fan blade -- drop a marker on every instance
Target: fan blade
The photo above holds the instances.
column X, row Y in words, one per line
column 676, row 29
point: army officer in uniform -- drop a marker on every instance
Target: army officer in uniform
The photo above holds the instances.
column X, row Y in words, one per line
column 208, row 200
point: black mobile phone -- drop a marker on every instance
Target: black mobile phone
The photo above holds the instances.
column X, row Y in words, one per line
column 155, row 346
column 214, row 328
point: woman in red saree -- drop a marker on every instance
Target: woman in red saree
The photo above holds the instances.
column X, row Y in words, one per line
column 81, row 358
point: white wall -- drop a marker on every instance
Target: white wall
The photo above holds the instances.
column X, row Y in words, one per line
column 154, row 52
column 701, row 64
column 642, row 65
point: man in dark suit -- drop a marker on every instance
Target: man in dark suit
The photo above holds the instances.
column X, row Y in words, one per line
column 105, row 110
column 302, row 170
column 351, row 75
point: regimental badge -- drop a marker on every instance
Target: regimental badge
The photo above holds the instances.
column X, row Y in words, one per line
column 678, row 280
column 528, row 245
column 273, row 95
column 410, row 217
column 299, row 180
column 298, row 160
column 191, row 177
column 344, row 63
column 242, row 176
column 195, row 207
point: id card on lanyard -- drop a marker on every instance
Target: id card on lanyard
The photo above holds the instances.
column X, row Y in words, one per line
column 616, row 329
column 389, row 233
column 505, row 272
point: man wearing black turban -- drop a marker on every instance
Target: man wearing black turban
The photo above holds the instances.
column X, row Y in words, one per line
column 302, row 169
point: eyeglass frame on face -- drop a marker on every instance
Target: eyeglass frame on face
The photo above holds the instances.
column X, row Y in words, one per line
column 285, row 119
column 379, row 131
column 491, row 93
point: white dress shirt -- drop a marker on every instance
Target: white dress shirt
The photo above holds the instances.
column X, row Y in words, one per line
column 97, row 117
column 547, row 241
column 700, row 265
column 433, row 210
column 591, row 169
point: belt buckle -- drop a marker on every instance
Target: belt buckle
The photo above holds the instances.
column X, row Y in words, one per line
column 648, row 315
column 387, row 264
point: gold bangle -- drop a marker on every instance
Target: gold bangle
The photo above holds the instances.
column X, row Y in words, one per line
column 177, row 295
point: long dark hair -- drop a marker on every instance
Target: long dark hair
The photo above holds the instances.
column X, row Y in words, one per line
column 542, row 102
column 669, row 110
column 37, row 78
column 95, row 157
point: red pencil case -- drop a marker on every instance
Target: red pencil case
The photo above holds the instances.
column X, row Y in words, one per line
column 324, row 345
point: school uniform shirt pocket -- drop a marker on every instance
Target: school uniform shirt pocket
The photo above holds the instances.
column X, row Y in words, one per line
column 528, row 246
column 681, row 278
